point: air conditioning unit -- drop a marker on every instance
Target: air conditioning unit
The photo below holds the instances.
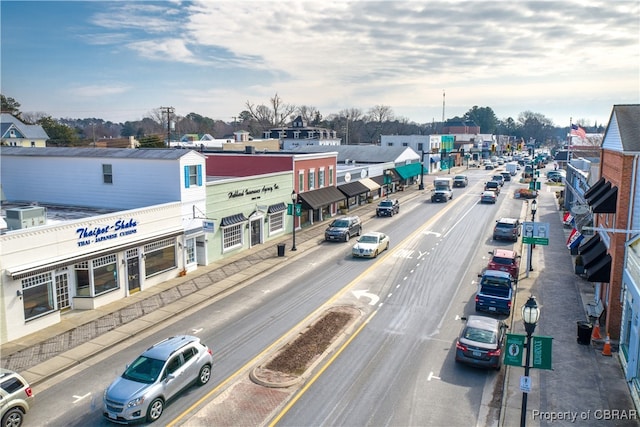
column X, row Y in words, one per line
column 26, row 216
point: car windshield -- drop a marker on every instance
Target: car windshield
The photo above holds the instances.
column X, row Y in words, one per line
column 495, row 281
column 504, row 225
column 459, row 178
column 340, row 223
column 144, row 370
column 502, row 260
column 386, row 203
column 368, row 239
column 480, row 335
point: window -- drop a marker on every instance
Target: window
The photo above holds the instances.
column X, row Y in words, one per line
column 300, row 181
column 276, row 222
column 232, row 236
column 38, row 295
column 159, row 256
column 389, row 144
column 189, row 353
column 83, row 283
column 330, row 175
column 105, row 274
column 312, row 179
column 321, row 176
column 192, row 176
column 107, row 174
column 190, row 250
column 405, row 144
column 420, row 146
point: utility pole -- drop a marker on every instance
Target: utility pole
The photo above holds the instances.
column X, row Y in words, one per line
column 169, row 111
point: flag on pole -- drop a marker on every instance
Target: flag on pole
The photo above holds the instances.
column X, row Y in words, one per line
column 568, row 219
column 578, row 131
column 574, row 239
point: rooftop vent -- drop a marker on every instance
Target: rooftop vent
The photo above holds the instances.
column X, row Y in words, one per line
column 26, row 216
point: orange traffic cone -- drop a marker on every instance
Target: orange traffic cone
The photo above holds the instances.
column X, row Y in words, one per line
column 606, row 350
column 596, row 332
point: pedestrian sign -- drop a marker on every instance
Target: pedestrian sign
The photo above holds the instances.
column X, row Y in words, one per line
column 536, row 233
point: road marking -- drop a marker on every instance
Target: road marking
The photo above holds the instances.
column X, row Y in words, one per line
column 79, row 398
column 373, row 297
column 404, row 253
column 432, row 376
column 197, row 330
column 432, row 232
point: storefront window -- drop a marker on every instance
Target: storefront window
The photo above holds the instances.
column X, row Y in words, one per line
column 276, row 222
column 83, row 283
column 159, row 256
column 190, row 245
column 232, row 236
column 37, row 295
column 105, row 274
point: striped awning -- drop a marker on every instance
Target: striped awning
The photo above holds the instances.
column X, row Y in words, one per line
column 233, row 220
column 278, row 207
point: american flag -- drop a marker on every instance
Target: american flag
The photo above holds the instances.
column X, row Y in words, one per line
column 578, row 131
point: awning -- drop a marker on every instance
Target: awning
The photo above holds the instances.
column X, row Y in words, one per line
column 278, row 207
column 595, row 187
column 380, row 178
column 25, row 271
column 593, row 255
column 370, row 184
column 601, row 271
column 598, row 193
column 410, row 170
column 316, row 199
column 233, row 220
column 589, row 243
column 434, row 158
column 607, row 202
column 353, row 189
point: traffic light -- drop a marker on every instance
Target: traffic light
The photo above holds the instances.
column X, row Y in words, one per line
column 508, row 147
column 493, row 148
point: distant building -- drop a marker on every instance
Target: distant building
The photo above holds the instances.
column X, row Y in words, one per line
column 300, row 135
column 15, row 133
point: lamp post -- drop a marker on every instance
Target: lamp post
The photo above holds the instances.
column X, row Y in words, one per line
column 421, row 186
column 534, row 209
column 294, row 199
column 530, row 316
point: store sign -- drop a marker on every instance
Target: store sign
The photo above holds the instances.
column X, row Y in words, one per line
column 120, row 228
column 256, row 193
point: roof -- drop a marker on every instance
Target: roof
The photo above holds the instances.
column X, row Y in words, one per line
column 164, row 349
column 627, row 118
column 359, row 153
column 504, row 253
column 114, row 153
column 28, row 131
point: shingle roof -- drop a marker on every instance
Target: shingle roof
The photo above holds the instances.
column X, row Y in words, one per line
column 29, row 131
column 121, row 153
column 628, row 119
column 359, row 153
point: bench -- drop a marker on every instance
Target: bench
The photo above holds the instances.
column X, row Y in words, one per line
column 595, row 309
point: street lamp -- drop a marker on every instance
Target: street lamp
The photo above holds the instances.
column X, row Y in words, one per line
column 294, row 199
column 534, row 209
column 421, row 186
column 530, row 316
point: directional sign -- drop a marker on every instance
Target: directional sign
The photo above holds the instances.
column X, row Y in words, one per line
column 535, row 233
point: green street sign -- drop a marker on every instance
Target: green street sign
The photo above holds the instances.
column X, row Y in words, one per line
column 541, row 352
column 514, row 350
column 297, row 209
column 535, row 233
column 289, row 209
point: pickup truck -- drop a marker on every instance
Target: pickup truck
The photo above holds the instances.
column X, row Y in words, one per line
column 495, row 292
column 388, row 207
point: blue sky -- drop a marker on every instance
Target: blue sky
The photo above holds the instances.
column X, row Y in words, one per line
column 121, row 60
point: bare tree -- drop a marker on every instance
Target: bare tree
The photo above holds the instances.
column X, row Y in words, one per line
column 380, row 113
column 274, row 115
column 309, row 114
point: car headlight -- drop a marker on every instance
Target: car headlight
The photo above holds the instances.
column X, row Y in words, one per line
column 135, row 402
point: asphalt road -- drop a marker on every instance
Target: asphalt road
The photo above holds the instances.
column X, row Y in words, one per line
column 398, row 370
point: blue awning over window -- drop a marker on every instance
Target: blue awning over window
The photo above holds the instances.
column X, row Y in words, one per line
column 232, row 220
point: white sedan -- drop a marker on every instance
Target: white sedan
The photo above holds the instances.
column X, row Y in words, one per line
column 370, row 245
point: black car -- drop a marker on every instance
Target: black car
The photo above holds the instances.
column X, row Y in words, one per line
column 388, row 207
column 341, row 229
column 506, row 176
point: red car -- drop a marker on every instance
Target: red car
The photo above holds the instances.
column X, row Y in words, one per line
column 505, row 260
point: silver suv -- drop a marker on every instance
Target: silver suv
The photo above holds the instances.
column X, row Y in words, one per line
column 16, row 397
column 341, row 229
column 156, row 376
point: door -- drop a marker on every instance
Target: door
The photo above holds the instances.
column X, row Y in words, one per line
column 133, row 274
column 256, row 231
column 62, row 291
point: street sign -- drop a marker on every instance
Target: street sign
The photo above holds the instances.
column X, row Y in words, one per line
column 541, row 350
column 297, row 209
column 535, row 233
column 514, row 349
column 525, row 384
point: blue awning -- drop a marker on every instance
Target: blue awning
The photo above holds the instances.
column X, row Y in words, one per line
column 279, row 207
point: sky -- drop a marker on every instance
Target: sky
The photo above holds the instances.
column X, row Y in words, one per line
column 570, row 61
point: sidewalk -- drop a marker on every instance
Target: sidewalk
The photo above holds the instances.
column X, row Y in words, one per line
column 583, row 382
column 584, row 387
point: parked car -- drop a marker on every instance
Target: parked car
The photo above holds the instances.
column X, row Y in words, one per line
column 505, row 260
column 499, row 178
column 460, row 181
column 495, row 292
column 370, row 245
column 507, row 229
column 16, row 398
column 388, row 207
column 157, row 375
column 488, row 197
column 341, row 229
column 506, row 176
column 492, row 186
column 481, row 342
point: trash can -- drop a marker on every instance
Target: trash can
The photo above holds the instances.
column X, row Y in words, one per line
column 584, row 332
column 281, row 249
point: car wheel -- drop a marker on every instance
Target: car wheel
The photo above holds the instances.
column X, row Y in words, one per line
column 13, row 418
column 497, row 368
column 204, row 375
column 155, row 410
column 375, row 255
column 346, row 237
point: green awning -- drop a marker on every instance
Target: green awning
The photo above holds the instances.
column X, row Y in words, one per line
column 410, row 170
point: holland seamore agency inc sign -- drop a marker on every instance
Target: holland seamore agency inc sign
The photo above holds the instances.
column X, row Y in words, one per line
column 101, row 233
column 256, row 193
